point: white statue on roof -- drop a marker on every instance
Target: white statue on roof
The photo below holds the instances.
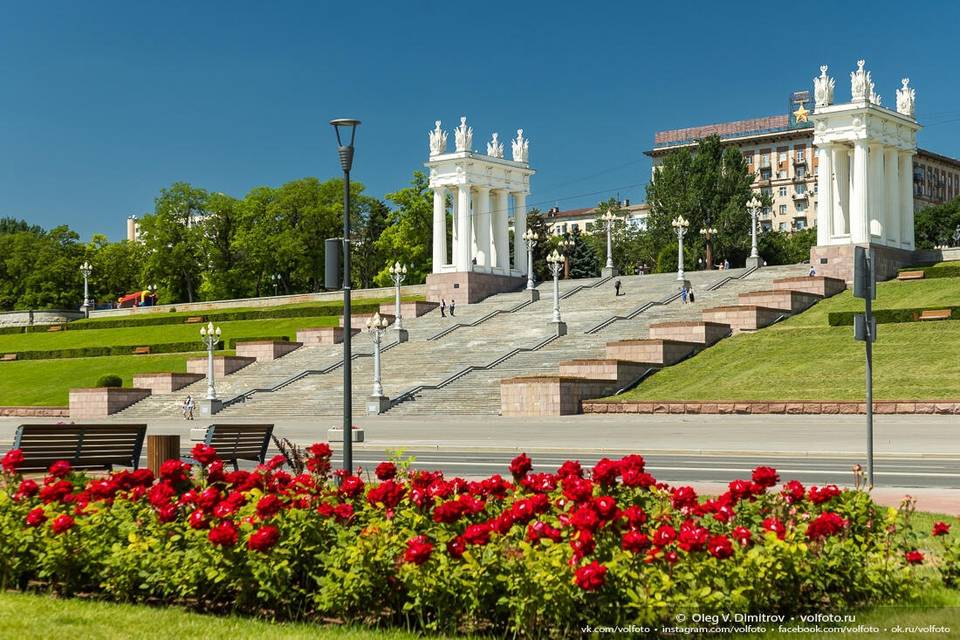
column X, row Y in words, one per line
column 906, row 99
column 463, row 135
column 860, row 83
column 495, row 147
column 823, row 88
column 438, row 140
column 521, row 148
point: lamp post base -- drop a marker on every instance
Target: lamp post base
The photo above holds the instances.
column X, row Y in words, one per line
column 560, row 328
column 402, row 335
column 209, row 407
column 754, row 263
column 534, row 294
column 377, row 405
column 609, row 272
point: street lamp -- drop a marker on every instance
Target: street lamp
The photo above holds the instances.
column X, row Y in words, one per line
column 530, row 237
column 275, row 279
column 377, row 403
column 86, row 269
column 399, row 273
column 754, row 205
column 556, row 261
column 708, row 233
column 680, row 225
column 210, row 336
column 608, row 217
column 342, row 127
column 565, row 246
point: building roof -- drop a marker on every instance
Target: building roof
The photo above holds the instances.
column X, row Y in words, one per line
column 588, row 212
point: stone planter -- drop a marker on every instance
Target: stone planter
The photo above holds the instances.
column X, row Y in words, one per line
column 323, row 335
column 266, row 350
column 101, row 402
column 165, row 382
column 222, row 365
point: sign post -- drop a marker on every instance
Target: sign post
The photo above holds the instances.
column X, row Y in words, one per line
column 865, row 329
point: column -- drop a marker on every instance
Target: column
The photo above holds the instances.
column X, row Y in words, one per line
column 464, row 228
column 906, row 200
column 824, row 194
column 875, row 193
column 502, row 245
column 840, row 190
column 439, row 228
column 891, row 165
column 455, row 249
column 481, row 225
column 859, row 218
column 519, row 228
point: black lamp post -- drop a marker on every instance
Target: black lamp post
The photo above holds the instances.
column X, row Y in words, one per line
column 343, row 126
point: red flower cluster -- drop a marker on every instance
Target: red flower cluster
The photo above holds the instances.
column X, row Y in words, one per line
column 419, row 550
column 591, row 577
column 914, row 557
column 263, row 539
column 826, row 524
column 11, row 460
column 940, row 529
column 204, row 454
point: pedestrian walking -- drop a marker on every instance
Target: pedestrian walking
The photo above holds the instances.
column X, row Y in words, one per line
column 683, row 294
column 443, row 308
column 813, row 271
column 692, row 298
column 699, row 264
column 726, row 265
column 453, row 305
column 616, row 287
column 188, row 408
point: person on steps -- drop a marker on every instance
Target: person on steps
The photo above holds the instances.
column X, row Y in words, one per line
column 616, row 287
column 443, row 308
column 683, row 294
column 453, row 305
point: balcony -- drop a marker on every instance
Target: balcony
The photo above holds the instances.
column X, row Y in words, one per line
column 801, row 160
column 801, row 196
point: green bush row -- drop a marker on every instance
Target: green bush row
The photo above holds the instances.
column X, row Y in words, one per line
column 232, row 342
column 114, row 350
column 886, row 316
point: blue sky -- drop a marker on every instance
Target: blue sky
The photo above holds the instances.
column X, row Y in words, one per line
column 104, row 103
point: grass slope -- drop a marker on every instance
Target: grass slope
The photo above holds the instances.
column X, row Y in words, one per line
column 804, row 359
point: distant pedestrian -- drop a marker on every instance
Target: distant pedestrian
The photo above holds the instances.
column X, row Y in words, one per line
column 813, row 271
column 616, row 287
column 699, row 264
column 453, row 305
column 443, row 308
column 683, row 294
column 188, row 408
column 692, row 298
column 726, row 265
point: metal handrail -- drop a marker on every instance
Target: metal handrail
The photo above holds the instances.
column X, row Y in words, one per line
column 410, row 393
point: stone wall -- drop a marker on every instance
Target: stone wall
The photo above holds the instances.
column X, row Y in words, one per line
column 266, row 350
column 549, row 395
column 705, row 333
column 323, row 335
column 102, row 402
column 782, row 299
column 818, row 285
column 222, row 365
column 30, row 318
column 837, row 260
column 742, row 317
column 165, row 382
column 467, row 287
column 35, row 412
column 622, row 372
column 269, row 301
column 409, row 309
column 359, row 320
column 796, row 407
column 665, row 352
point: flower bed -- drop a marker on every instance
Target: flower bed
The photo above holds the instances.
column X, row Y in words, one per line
column 543, row 554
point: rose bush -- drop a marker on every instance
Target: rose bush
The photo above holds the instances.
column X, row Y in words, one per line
column 547, row 551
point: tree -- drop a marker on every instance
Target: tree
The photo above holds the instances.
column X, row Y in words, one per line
column 117, row 268
column 225, row 276
column 584, row 261
column 368, row 222
column 544, row 245
column 935, row 226
column 710, row 187
column 408, row 235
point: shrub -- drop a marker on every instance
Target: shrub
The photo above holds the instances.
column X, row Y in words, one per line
column 886, row 316
column 110, row 380
column 546, row 551
column 232, row 342
column 113, row 350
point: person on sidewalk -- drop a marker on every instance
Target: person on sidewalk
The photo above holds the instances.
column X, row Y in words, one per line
column 683, row 294
column 443, row 308
column 813, row 271
column 188, row 408
column 453, row 305
column 616, row 287
column 692, row 299
column 726, row 265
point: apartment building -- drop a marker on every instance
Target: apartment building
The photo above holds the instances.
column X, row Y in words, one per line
column 564, row 222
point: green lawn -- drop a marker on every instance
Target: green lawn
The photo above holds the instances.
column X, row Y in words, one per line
column 159, row 334
column 47, row 382
column 803, row 358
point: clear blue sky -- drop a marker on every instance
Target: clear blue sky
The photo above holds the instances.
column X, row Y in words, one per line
column 103, row 103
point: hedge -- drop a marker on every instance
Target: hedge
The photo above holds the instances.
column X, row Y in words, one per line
column 114, row 350
column 4, row 331
column 232, row 342
column 887, row 316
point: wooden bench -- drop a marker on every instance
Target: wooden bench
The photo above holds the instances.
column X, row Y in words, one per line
column 139, row 351
column 235, row 442
column 8, row 357
column 193, row 319
column 54, row 327
column 910, row 275
column 935, row 314
column 84, row 446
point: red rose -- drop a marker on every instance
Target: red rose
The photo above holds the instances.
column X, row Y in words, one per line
column 720, row 547
column 27, row 489
column 224, row 534
column 263, row 538
column 61, row 524
column 585, row 518
column 577, row 489
column 174, row 471
column 605, row 506
column 765, row 476
column 570, row 468
column 636, row 478
column 60, row 468
column 606, row 471
column 204, row 454
column 343, row 512
column 12, row 459
column 167, row 513
column 671, row 557
column 520, row 466
column 742, row 535
column 739, row 489
column 269, row 506
column 160, row 494
column 914, row 557
column 583, row 544
column 477, row 534
column 224, row 510
column 632, row 462
column 635, row 542
column 635, row 516
column 664, row 535
column 456, row 547
column 825, row 525
column 388, row 493
column 351, row 486
column 448, row 512
column 386, row 471
column 819, row 496
column 940, row 528
column 774, row 525
column 538, row 529
column 198, row 519
column 591, row 577
column 539, row 482
column 692, row 537
column 418, row 550
column 320, row 450
column 793, row 492
column 684, row 497
column 36, row 517
column 55, row 492
column 208, row 498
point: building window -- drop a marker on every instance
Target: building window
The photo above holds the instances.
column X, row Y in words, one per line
column 767, row 211
column 781, row 175
column 800, row 223
column 782, row 156
column 801, row 172
column 800, row 188
column 765, row 160
column 782, row 191
column 801, row 155
column 801, row 205
column 783, row 209
column 576, row 227
column 782, row 226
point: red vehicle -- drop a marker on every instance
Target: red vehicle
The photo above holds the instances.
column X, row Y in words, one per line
column 137, row 299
